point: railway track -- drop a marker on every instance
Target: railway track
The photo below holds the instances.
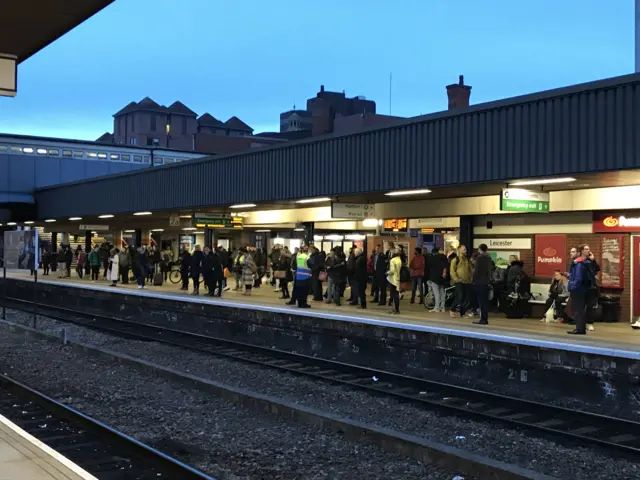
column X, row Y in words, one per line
column 100, row 450
column 580, row 428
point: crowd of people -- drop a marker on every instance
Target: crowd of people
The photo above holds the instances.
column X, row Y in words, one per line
column 456, row 282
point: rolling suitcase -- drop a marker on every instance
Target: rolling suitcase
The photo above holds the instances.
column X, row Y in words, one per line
column 158, row 279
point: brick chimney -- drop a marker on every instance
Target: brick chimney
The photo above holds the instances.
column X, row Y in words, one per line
column 458, row 94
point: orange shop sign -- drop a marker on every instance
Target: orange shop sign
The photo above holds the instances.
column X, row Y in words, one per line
column 607, row 222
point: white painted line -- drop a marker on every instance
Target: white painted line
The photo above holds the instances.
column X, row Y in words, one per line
column 494, row 337
column 64, row 461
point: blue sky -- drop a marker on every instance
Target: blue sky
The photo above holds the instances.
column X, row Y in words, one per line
column 256, row 58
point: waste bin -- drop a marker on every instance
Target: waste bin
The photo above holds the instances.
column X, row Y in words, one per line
column 610, row 308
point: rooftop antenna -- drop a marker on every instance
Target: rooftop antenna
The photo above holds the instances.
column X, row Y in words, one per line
column 294, row 106
column 390, row 83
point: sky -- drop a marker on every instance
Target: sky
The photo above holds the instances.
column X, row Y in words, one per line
column 256, row 58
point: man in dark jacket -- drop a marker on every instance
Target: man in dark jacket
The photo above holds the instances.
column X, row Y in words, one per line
column 316, row 262
column 359, row 279
column 437, row 275
column 481, row 282
column 224, row 263
column 581, row 281
column 207, row 270
column 380, row 266
column 196, row 268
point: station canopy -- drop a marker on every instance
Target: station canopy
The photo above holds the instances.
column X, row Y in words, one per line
column 27, row 26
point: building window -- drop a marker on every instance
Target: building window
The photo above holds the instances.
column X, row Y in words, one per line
column 54, row 152
column 102, row 155
column 78, row 154
column 3, row 148
column 137, row 158
column 133, row 141
column 114, row 156
column 184, row 125
column 67, row 153
column 125, row 158
column 153, row 122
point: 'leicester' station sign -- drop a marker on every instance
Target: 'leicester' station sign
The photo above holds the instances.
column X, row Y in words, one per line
column 504, row 243
column 523, row 200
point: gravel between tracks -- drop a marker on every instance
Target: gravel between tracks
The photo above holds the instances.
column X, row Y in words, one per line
column 507, row 445
column 214, row 435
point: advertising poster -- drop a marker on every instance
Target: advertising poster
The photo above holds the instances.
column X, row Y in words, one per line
column 550, row 254
column 501, row 257
column 611, row 264
column 21, row 250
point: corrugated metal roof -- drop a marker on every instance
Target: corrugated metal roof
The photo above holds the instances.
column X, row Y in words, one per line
column 584, row 128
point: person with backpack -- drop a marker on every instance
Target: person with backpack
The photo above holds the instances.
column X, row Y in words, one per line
column 124, row 263
column 81, row 261
column 482, row 282
column 437, row 273
column 95, row 261
column 460, row 271
column 581, row 280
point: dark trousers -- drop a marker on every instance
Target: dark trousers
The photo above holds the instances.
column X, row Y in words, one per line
column 556, row 301
column 79, row 270
column 196, row 282
column 482, row 294
column 361, row 289
column 124, row 272
column 416, row 284
column 45, row 269
column 68, row 266
column 105, row 266
column 300, row 293
column 382, row 287
column 95, row 272
column 142, row 275
column 394, row 293
column 184, row 276
column 579, row 309
column 284, row 286
column 216, row 284
column 208, row 280
column 375, row 289
column 462, row 298
column 316, row 287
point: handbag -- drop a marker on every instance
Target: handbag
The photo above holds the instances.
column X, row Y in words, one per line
column 322, row 276
column 279, row 274
column 226, row 272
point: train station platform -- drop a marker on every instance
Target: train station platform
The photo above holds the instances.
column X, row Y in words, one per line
column 521, row 357
column 23, row 457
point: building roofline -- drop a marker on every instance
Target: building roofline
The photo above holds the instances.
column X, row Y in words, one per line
column 478, row 108
column 90, row 142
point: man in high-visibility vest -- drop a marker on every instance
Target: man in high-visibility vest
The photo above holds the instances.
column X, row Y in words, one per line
column 303, row 279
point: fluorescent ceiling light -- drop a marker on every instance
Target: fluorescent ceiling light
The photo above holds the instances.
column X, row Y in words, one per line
column 298, row 229
column 185, row 216
column 74, row 219
column 50, row 220
column 263, row 231
column 244, row 205
column 189, row 229
column 158, row 230
column 108, row 215
column 542, row 182
column 139, row 214
column 129, row 231
column 29, row 223
column 198, row 233
column 370, row 222
column 408, row 192
column 314, row 200
column 27, row 150
column 11, row 224
column 94, row 233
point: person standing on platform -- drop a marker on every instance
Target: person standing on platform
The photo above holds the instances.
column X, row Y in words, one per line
column 594, row 291
column 379, row 276
column 284, row 272
column 124, row 258
column 437, row 271
column 482, row 282
column 94, row 263
column 105, row 256
column 581, row 279
column 217, row 275
column 393, row 278
column 417, row 275
column 303, row 279
column 207, row 270
column 46, row 260
column 460, row 271
column 238, row 263
column 196, row 269
column 112, row 270
column 225, row 261
column 81, row 261
column 360, row 277
column 316, row 261
column 143, row 266
column 248, row 272
column 185, row 265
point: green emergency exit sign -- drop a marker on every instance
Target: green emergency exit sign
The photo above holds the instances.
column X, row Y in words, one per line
column 523, row 200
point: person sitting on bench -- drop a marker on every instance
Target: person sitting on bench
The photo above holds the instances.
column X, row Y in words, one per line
column 558, row 294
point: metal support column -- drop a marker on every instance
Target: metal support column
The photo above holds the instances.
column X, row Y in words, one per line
column 87, row 248
column 309, row 230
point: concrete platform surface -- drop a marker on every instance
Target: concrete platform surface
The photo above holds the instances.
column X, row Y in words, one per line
column 610, row 339
column 23, row 457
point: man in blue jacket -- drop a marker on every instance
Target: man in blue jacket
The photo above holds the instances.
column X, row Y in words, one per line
column 580, row 281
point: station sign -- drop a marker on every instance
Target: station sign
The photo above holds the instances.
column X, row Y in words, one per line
column 216, row 220
column 94, row 228
column 523, row 200
column 174, row 220
column 608, row 222
column 504, row 243
column 357, row 211
column 395, row 225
